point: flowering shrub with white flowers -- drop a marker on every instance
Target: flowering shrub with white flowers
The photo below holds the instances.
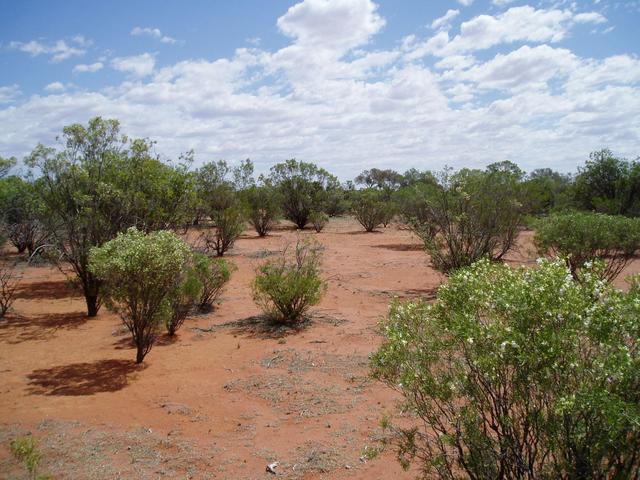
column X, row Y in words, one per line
column 141, row 276
column 517, row 373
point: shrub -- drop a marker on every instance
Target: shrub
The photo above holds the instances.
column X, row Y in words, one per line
column 388, row 213
column 471, row 215
column 9, row 282
column 318, row 220
column 583, row 237
column 517, row 373
column 183, row 300
column 286, row 287
column 228, row 226
column 369, row 209
column 141, row 274
column 263, row 204
column 213, row 275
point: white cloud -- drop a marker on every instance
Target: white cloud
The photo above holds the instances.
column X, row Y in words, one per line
column 329, row 96
column 522, row 68
column 466, row 3
column 333, row 24
column 90, row 68
column 589, row 17
column 137, row 65
column 58, row 51
column 501, row 3
column 55, row 87
column 154, row 33
column 9, row 93
column 445, row 20
column 517, row 24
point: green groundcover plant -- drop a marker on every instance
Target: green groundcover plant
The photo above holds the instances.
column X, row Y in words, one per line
column 517, row 373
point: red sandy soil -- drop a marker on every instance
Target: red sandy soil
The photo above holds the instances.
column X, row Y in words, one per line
column 229, row 395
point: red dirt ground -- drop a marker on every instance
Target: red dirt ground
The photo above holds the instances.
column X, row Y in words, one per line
column 228, row 395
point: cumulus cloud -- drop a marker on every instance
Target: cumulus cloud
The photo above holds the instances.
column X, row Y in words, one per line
column 332, row 24
column 153, row 33
column 330, row 96
column 58, row 51
column 136, row 65
column 55, row 87
column 445, row 20
column 517, row 24
column 90, row 68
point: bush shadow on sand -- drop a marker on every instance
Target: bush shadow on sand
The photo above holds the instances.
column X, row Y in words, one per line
column 78, row 379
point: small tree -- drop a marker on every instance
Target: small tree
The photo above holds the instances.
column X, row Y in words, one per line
column 318, row 220
column 213, row 274
column 517, row 373
column 369, row 209
column 9, row 283
column 141, row 273
column 286, row 287
column 584, row 237
column 263, row 205
column 470, row 215
column 303, row 187
column 228, row 226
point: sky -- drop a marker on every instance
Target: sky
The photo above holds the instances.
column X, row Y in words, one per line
column 346, row 84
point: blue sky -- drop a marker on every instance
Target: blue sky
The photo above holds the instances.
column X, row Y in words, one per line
column 348, row 84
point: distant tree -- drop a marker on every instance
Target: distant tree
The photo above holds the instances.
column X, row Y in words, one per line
column 303, row 187
column 22, row 211
column 228, row 225
column 142, row 275
column 263, row 207
column 608, row 184
column 6, row 164
column 369, row 209
column 381, row 179
column 544, row 190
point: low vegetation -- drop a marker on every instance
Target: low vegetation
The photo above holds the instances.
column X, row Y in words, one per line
column 318, row 220
column 581, row 238
column 25, row 449
column 517, row 373
column 212, row 274
column 286, row 287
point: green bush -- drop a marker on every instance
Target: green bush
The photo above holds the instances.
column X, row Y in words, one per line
column 228, row 226
column 141, row 274
column 286, row 287
column 470, row 215
column 369, row 209
column 318, row 220
column 213, row 274
column 517, row 373
column 263, row 205
column 184, row 299
column 583, row 237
